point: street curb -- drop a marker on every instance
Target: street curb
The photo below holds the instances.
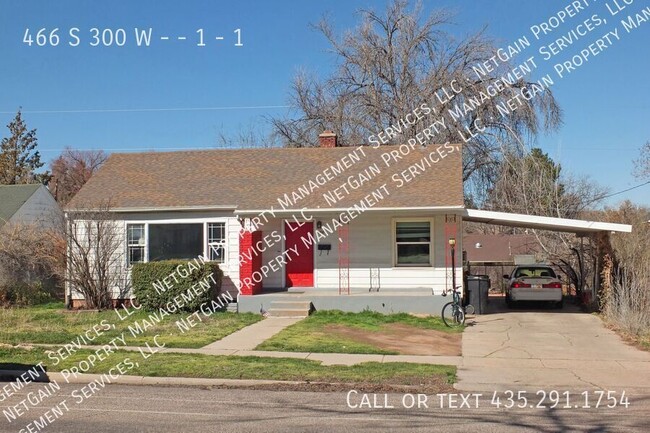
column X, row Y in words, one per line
column 210, row 382
column 185, row 381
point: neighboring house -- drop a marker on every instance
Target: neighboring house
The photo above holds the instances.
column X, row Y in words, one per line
column 25, row 207
column 496, row 254
column 501, row 249
column 28, row 204
column 403, row 204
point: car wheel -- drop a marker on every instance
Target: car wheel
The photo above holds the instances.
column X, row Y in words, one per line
column 509, row 301
column 559, row 304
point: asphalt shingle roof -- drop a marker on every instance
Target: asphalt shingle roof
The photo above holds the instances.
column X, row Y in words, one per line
column 12, row 198
column 253, row 179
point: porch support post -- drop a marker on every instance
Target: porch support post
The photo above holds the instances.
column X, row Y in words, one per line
column 250, row 277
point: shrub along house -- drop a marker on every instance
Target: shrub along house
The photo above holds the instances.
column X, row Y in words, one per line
column 337, row 227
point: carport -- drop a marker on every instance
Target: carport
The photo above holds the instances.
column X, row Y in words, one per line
column 549, row 349
column 596, row 231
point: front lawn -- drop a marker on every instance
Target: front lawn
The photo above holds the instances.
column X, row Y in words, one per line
column 245, row 367
column 366, row 332
column 51, row 324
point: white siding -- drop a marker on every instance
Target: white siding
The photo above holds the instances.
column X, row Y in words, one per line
column 121, row 288
column 230, row 267
column 371, row 250
column 371, row 247
column 40, row 208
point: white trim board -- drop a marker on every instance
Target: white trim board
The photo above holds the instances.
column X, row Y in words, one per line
column 543, row 223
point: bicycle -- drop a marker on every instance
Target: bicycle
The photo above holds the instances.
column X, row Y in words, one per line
column 453, row 313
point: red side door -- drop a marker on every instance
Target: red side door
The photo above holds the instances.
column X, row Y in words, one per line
column 300, row 266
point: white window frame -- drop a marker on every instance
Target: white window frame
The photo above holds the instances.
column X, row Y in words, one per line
column 203, row 221
column 142, row 245
column 223, row 243
column 394, row 242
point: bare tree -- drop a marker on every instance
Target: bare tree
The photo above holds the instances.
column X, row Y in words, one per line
column 391, row 64
column 534, row 184
column 642, row 164
column 250, row 136
column 626, row 298
column 84, row 250
column 71, row 170
column 31, row 258
column 96, row 264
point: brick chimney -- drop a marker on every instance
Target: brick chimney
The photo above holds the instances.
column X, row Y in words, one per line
column 327, row 139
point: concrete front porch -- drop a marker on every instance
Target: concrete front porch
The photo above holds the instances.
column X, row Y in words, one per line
column 416, row 300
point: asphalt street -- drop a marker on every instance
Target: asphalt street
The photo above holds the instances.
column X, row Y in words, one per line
column 119, row 408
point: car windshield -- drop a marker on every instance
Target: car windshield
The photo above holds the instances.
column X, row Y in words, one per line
column 534, row 272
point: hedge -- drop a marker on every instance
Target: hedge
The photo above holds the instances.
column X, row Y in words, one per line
column 144, row 275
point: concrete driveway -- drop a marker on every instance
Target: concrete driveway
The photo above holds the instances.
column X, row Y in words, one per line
column 548, row 349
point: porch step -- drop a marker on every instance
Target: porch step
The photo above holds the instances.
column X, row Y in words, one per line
column 296, row 290
column 289, row 309
column 232, row 307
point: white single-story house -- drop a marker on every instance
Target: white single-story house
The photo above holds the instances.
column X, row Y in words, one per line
column 341, row 227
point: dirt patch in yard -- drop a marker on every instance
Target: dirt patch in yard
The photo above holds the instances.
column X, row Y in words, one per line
column 405, row 339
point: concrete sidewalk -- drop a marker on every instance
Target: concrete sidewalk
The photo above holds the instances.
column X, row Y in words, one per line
column 251, row 336
column 324, row 358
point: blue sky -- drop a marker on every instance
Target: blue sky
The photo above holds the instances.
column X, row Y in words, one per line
column 605, row 102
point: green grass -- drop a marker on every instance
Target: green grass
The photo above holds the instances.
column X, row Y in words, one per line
column 244, row 367
column 51, row 324
column 310, row 335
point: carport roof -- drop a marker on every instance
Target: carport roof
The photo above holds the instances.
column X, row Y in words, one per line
column 543, row 223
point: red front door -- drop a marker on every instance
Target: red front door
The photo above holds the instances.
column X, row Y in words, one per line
column 300, row 257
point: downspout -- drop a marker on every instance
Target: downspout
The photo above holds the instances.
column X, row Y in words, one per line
column 67, row 290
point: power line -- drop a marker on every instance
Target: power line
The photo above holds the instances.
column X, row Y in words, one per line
column 625, row 190
column 142, row 110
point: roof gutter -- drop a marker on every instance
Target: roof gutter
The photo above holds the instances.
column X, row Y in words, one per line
column 344, row 209
column 156, row 209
